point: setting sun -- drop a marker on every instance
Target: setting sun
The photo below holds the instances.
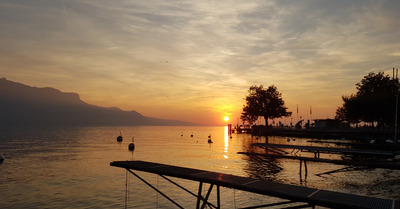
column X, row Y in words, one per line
column 226, row 118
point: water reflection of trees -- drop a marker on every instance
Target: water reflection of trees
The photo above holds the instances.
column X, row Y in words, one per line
column 261, row 167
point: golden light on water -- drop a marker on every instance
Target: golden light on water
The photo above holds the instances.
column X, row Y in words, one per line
column 226, row 142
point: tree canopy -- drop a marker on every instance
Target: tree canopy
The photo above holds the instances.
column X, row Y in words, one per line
column 266, row 103
column 374, row 101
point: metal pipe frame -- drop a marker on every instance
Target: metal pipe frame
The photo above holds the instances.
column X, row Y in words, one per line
column 151, row 186
column 205, row 199
column 199, row 196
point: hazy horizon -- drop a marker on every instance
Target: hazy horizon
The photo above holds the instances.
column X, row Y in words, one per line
column 31, row 106
column 194, row 61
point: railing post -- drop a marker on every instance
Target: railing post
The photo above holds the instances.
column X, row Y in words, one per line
column 218, row 198
column 199, row 195
column 205, row 200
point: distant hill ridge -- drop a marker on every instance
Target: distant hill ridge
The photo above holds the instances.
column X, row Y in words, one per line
column 26, row 105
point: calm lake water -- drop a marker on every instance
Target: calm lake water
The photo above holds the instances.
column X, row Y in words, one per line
column 69, row 167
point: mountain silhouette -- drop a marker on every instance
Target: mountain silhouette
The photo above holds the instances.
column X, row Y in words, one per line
column 25, row 105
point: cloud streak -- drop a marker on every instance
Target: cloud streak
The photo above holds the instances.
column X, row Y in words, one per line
column 162, row 57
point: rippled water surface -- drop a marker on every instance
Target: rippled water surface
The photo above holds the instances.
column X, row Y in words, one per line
column 69, row 167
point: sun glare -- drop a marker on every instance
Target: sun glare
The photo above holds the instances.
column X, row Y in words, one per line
column 226, row 118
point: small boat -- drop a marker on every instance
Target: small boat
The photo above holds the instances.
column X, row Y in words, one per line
column 389, row 141
column 131, row 146
column 119, row 138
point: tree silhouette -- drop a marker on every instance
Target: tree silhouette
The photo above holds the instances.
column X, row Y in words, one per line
column 266, row 103
column 373, row 102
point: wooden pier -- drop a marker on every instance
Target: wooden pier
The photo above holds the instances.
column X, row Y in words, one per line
column 310, row 197
column 353, row 158
column 367, row 164
column 241, row 129
column 317, row 150
column 344, row 143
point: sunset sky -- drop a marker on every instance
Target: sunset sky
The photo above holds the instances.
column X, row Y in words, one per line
column 195, row 60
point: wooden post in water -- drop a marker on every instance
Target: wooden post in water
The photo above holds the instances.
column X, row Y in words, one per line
column 305, row 170
column 300, row 170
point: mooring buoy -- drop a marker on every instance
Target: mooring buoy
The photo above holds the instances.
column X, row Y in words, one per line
column 119, row 138
column 131, row 146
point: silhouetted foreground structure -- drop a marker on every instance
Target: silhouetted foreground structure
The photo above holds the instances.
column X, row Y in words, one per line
column 350, row 158
column 309, row 196
column 333, row 150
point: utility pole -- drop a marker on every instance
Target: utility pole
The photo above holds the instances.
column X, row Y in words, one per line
column 397, row 103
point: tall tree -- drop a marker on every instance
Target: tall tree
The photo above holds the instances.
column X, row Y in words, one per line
column 266, row 103
column 373, row 102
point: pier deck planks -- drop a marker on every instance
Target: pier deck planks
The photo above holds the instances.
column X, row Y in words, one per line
column 269, row 188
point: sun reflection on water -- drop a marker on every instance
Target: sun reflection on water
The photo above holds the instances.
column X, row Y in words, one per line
column 226, row 141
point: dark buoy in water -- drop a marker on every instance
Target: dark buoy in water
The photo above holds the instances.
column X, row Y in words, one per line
column 119, row 138
column 1, row 158
column 131, row 146
column 191, row 135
